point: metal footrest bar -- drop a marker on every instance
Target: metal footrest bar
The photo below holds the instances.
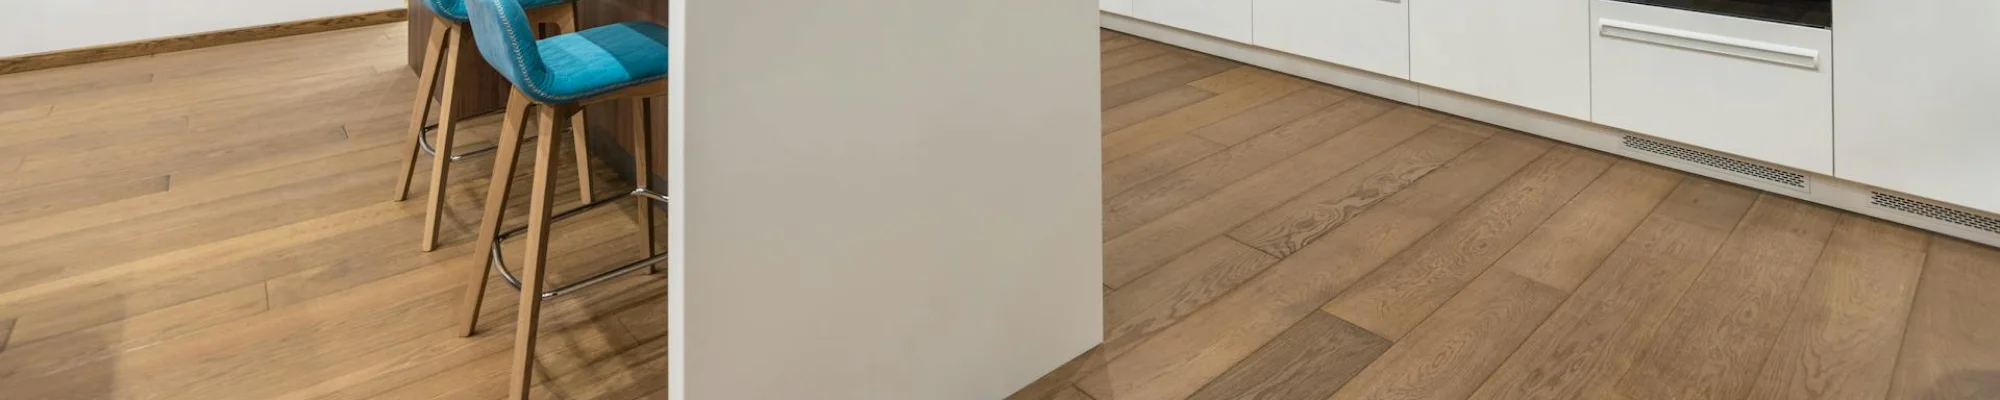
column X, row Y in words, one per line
column 424, row 141
column 499, row 262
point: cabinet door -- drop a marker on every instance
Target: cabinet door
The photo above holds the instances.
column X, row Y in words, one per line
column 1761, row 90
column 1117, row 6
column 1917, row 98
column 1372, row 35
column 1531, row 53
column 1227, row 19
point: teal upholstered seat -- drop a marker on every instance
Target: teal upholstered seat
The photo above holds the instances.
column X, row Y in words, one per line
column 455, row 9
column 566, row 67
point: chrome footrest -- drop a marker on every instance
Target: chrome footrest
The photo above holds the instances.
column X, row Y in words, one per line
column 499, row 262
column 424, row 142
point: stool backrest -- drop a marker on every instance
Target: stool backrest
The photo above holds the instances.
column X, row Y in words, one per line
column 449, row 9
column 507, row 40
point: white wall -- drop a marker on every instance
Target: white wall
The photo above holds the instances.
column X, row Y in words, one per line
column 35, row 26
column 885, row 199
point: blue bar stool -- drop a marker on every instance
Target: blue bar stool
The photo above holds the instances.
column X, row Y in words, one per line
column 556, row 77
column 450, row 35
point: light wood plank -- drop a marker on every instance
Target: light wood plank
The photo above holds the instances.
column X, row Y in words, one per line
column 1272, row 115
column 1593, row 336
column 1307, row 362
column 1161, row 238
column 1119, row 94
column 1132, row 113
column 1948, row 346
column 1134, row 51
column 1070, row 393
column 1227, row 102
column 1716, row 339
column 1150, row 200
column 47, row 352
column 1842, row 339
column 1564, row 250
column 1454, row 349
column 1124, row 173
column 1398, row 295
column 1143, row 68
column 1175, row 362
column 1290, row 227
column 1177, row 289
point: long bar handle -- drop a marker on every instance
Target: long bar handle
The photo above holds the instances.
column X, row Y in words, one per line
column 1711, row 43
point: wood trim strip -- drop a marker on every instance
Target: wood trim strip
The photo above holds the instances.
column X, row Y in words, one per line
column 62, row 58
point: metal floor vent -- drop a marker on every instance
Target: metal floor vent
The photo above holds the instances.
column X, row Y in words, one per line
column 1941, row 213
column 1718, row 161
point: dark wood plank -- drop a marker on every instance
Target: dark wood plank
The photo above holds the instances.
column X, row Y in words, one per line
column 1144, row 68
column 1059, row 380
column 1125, row 173
column 1447, row 356
column 1716, row 339
column 1586, row 345
column 1842, row 338
column 1176, row 361
column 1948, row 346
column 1307, row 362
column 1136, row 50
column 1152, row 240
column 1152, row 199
column 1132, row 113
column 1177, row 289
column 1070, row 393
column 1399, row 294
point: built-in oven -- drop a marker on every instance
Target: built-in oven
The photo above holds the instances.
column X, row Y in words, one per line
column 1811, row 13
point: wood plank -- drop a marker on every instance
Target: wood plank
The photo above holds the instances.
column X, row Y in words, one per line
column 1564, row 250
column 75, row 194
column 1178, row 230
column 1175, row 362
column 1718, row 336
column 60, row 58
column 1400, row 294
column 1132, row 113
column 1290, row 227
column 1118, row 42
column 1177, row 289
column 1060, row 379
column 1227, row 102
column 47, row 352
column 1307, row 362
column 1457, row 347
column 1948, row 345
column 1124, row 173
column 6, row 332
column 1590, row 339
column 1070, row 393
column 1136, row 51
column 1842, row 339
column 1152, row 199
column 1143, row 68
column 1272, row 115
column 1119, row 94
column 1448, row 355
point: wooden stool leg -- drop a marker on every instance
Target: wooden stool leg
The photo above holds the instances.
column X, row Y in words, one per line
column 577, row 132
column 532, row 271
column 426, row 83
column 642, row 157
column 496, row 207
column 460, row 41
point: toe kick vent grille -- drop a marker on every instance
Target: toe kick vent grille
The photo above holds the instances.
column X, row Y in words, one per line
column 1940, row 213
column 1718, row 161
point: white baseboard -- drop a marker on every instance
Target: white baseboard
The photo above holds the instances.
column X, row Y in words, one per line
column 1957, row 221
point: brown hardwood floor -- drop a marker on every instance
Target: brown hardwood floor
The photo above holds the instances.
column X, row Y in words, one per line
column 213, row 224
column 1268, row 237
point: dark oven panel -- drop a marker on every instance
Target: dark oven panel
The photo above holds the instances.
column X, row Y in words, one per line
column 1813, row 13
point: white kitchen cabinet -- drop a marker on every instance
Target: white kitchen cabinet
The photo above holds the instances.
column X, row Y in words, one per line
column 1531, row 53
column 1918, row 97
column 1757, row 89
column 1227, row 19
column 1371, row 35
column 1123, row 7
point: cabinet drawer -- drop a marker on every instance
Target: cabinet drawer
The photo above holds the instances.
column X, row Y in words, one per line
column 1757, row 89
column 1371, row 35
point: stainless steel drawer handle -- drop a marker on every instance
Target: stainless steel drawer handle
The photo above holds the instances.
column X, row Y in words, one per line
column 1711, row 43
